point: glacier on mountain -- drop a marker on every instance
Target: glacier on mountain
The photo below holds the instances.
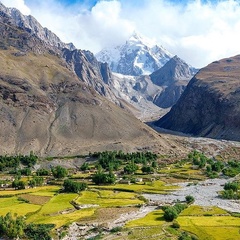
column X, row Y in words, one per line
column 137, row 56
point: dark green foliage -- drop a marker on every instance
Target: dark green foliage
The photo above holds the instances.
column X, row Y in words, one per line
column 103, row 178
column 212, row 174
column 175, row 224
column 116, row 229
column 59, row 172
column 189, row 199
column 26, row 171
column 7, row 162
column 116, row 158
column 154, row 164
column 28, row 161
column 39, row 231
column 187, row 236
column 217, row 166
column 72, row 186
column 232, row 168
column 231, row 191
column 36, row 181
column 232, row 185
column 130, row 168
column 198, row 158
column 171, row 212
column 18, row 184
column 42, row 172
column 180, row 207
column 11, row 227
column 147, row 169
column 85, row 167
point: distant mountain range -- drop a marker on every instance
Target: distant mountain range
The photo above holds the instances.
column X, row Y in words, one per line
column 146, row 76
column 137, row 56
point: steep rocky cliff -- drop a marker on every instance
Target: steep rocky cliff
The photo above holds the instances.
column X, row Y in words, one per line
column 173, row 77
column 210, row 105
column 31, row 25
column 83, row 63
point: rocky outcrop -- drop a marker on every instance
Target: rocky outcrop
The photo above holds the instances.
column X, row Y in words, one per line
column 83, row 63
column 31, row 25
column 173, row 77
column 90, row 71
column 210, row 105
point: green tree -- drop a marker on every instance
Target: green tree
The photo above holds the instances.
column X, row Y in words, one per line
column 170, row 213
column 18, row 184
column 147, row 169
column 103, row 178
column 72, row 186
column 85, row 167
column 39, row 231
column 59, row 172
column 130, row 168
column 42, row 172
column 11, row 227
column 189, row 199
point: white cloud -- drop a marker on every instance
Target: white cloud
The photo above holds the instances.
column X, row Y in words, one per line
column 198, row 32
column 19, row 4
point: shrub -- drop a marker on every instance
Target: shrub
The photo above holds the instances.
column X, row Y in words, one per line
column 84, row 167
column 170, row 213
column 42, row 172
column 189, row 199
column 175, row 224
column 39, row 231
column 75, row 187
column 59, row 172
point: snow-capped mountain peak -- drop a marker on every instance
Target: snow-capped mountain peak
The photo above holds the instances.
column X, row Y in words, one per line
column 137, row 56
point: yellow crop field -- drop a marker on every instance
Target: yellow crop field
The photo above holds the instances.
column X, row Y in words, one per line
column 13, row 205
column 211, row 227
column 150, row 187
column 108, row 198
column 38, row 191
column 203, row 211
column 62, row 219
column 154, row 218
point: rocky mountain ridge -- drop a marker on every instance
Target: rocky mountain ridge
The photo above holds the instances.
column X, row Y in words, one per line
column 137, row 56
column 173, row 77
column 97, row 74
column 210, row 105
column 153, row 95
column 146, row 76
column 31, row 25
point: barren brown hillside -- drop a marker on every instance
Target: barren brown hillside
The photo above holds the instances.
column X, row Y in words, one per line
column 46, row 108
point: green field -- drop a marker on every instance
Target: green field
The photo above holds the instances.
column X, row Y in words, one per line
column 16, row 206
column 154, row 218
column 149, row 187
column 98, row 206
column 210, row 223
column 107, row 198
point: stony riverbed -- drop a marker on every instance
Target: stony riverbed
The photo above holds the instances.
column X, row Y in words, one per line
column 204, row 192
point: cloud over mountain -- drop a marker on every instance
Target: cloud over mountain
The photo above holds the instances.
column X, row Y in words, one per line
column 198, row 31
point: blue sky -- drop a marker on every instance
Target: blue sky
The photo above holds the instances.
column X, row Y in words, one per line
column 197, row 31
